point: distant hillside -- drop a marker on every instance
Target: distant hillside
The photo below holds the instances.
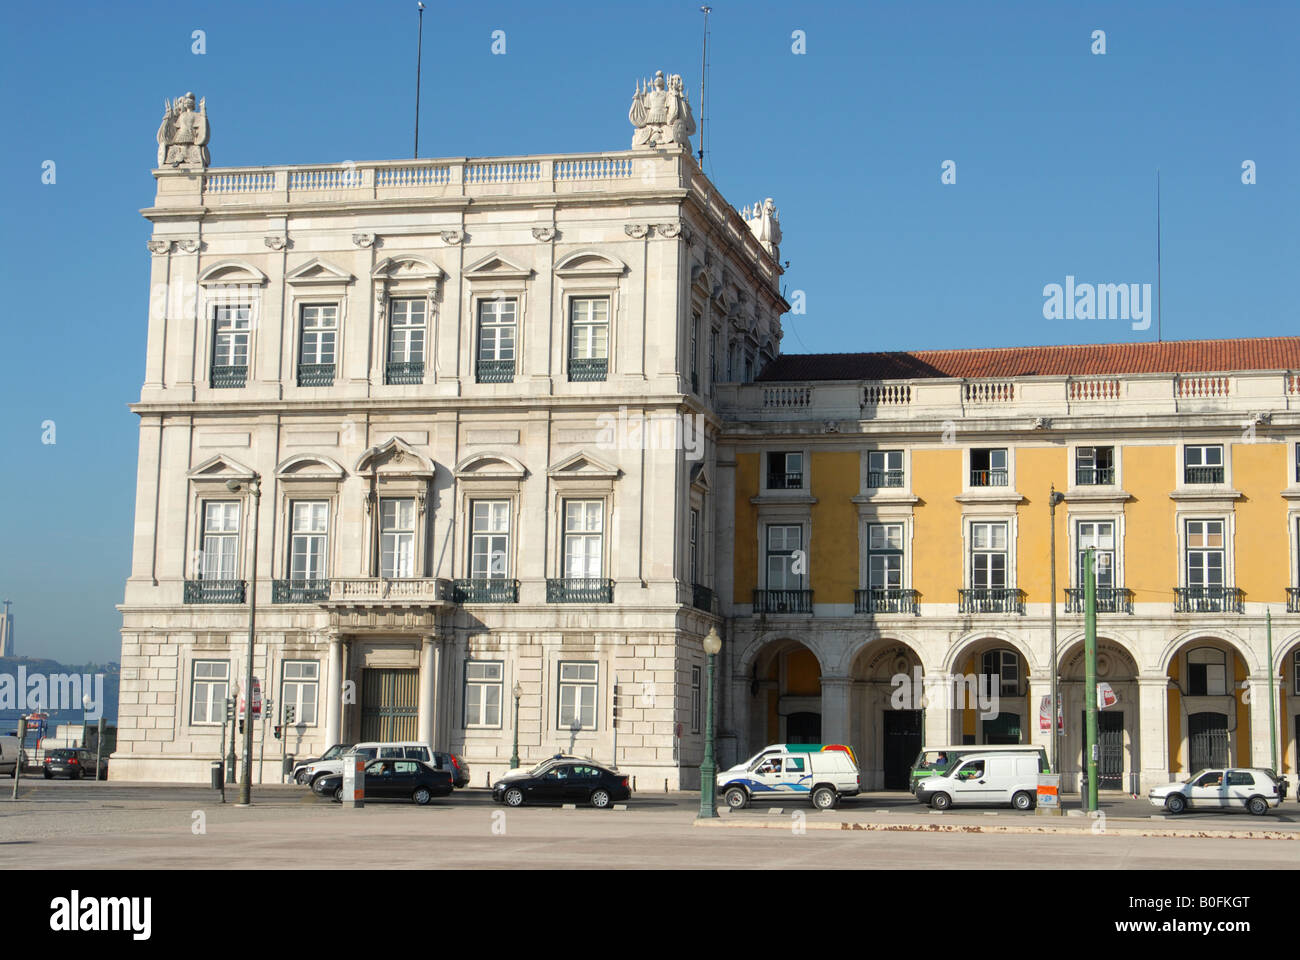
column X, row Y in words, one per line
column 9, row 666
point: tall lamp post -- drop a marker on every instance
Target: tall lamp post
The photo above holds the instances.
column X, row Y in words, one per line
column 708, row 771
column 246, row 767
column 1052, row 500
column 518, row 691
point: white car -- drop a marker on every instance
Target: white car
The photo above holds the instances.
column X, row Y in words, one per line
column 1228, row 788
column 392, row 750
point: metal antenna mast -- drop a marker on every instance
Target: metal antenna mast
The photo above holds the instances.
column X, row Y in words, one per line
column 1160, row 300
column 419, row 56
column 704, row 67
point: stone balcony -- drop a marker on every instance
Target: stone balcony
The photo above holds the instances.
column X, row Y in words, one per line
column 1024, row 398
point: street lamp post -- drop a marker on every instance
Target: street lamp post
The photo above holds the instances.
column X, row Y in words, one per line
column 518, row 691
column 1052, row 500
column 246, row 781
column 708, row 771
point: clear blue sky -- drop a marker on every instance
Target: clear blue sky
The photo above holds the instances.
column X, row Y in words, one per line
column 1056, row 151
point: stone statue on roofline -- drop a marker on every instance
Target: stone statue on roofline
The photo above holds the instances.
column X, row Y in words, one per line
column 183, row 134
column 765, row 223
column 661, row 113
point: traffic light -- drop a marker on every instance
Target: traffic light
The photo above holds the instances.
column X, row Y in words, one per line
column 241, row 725
column 618, row 712
column 230, row 709
column 289, row 712
column 277, row 731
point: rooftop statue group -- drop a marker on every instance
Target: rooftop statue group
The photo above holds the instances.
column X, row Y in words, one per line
column 661, row 113
column 183, row 134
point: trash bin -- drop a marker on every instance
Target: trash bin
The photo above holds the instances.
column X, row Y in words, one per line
column 217, row 773
column 286, row 767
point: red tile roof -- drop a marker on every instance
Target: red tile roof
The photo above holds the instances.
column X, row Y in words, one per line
column 1092, row 359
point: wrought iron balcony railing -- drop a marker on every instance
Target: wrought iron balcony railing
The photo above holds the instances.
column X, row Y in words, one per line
column 991, row 600
column 1094, row 476
column 783, row 601
column 1292, row 600
column 229, row 376
column 495, row 371
column 587, row 369
column 214, row 591
column 300, row 591
column 701, row 597
column 1203, row 475
column 1109, row 600
column 784, row 481
column 1208, row 600
column 485, row 590
column 411, row 371
column 315, row 374
column 884, row 600
column 988, row 478
column 884, row 478
column 579, row 590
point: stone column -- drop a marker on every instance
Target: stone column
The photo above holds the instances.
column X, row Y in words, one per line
column 835, row 709
column 333, row 690
column 1040, row 686
column 1153, row 731
column 428, row 688
column 1261, row 743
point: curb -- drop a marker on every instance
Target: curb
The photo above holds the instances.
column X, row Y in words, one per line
column 843, row 825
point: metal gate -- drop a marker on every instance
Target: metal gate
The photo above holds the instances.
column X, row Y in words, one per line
column 803, row 728
column 1003, row 729
column 902, row 729
column 1207, row 741
column 390, row 707
column 1110, row 748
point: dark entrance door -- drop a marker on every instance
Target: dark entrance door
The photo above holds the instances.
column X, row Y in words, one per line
column 390, row 704
column 902, row 744
column 1207, row 741
column 1003, row 729
column 1110, row 748
column 803, row 728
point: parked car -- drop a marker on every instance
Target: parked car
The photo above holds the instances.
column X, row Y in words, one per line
column 456, row 764
column 564, row 781
column 819, row 772
column 392, row 779
column 73, row 763
column 299, row 774
column 8, row 755
column 934, row 761
column 985, row 778
column 537, row 770
column 1238, row 788
column 374, row 750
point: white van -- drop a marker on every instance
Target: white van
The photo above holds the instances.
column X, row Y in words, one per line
column 986, row 778
column 8, row 756
column 395, row 749
column 820, row 772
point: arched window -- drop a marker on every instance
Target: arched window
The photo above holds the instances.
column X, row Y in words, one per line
column 1004, row 667
column 1207, row 674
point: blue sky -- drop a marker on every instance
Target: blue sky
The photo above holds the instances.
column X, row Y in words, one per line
column 1055, row 147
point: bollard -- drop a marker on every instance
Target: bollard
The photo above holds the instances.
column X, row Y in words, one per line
column 286, row 766
column 354, row 782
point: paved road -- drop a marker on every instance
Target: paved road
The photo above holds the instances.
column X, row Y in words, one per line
column 60, row 825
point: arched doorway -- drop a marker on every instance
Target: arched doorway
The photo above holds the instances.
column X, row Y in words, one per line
column 1289, row 711
column 988, row 694
column 886, row 713
column 785, row 692
column 1209, row 719
column 1118, row 725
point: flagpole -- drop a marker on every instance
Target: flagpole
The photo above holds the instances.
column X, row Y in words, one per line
column 419, row 56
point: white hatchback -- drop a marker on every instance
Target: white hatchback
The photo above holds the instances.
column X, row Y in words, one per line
column 1222, row 789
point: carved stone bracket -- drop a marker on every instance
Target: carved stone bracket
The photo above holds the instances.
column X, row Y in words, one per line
column 636, row 230
column 159, row 247
column 363, row 240
column 381, row 300
column 668, row 231
column 191, row 246
column 276, row 241
column 452, row 237
column 544, row 234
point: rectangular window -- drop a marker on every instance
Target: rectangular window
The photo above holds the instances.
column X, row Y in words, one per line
column 219, row 559
column 484, row 689
column 784, row 471
column 988, row 468
column 497, row 325
column 1099, row 535
column 1297, row 463
column 578, row 688
column 397, row 538
column 1094, row 466
column 209, row 689
column 310, row 519
column 713, row 369
column 489, row 539
column 1004, row 667
column 884, row 468
column 782, row 543
column 319, row 333
column 1206, row 673
column 299, row 689
column 695, row 352
column 584, row 522
column 407, row 331
column 588, row 338
column 885, row 556
column 1203, row 464
column 696, row 698
column 231, row 329
column 1205, row 553
column 1295, row 674
column 988, row 560
column 695, row 546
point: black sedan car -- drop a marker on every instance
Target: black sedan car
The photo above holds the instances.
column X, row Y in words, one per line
column 392, row 780
column 564, row 782
column 72, row 763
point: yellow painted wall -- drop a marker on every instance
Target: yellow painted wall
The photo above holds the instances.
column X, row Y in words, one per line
column 833, row 561
column 936, row 543
column 1037, row 468
column 745, row 565
column 1151, row 533
column 1175, row 718
column 803, row 676
column 1243, row 713
column 1262, row 546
